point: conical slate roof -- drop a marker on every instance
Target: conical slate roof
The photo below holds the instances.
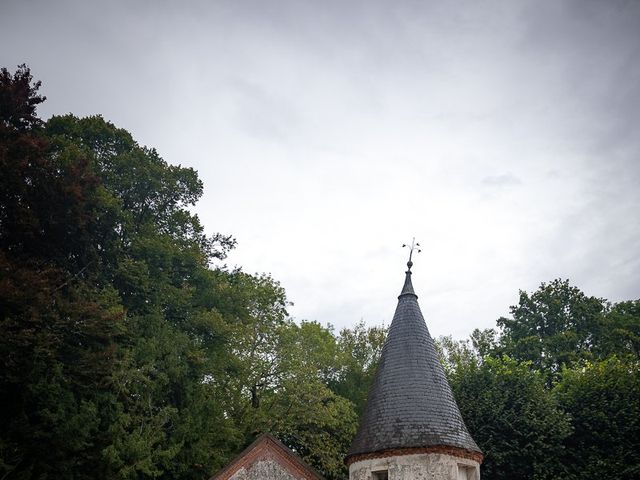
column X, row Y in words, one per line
column 410, row 404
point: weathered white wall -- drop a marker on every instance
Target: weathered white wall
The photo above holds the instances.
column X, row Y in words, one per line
column 424, row 466
column 263, row 469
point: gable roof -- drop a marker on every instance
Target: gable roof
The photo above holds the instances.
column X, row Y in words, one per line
column 410, row 404
column 266, row 446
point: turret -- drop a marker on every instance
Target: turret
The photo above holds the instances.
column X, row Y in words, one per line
column 412, row 427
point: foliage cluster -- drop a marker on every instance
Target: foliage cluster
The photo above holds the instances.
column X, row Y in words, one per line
column 126, row 353
column 554, row 393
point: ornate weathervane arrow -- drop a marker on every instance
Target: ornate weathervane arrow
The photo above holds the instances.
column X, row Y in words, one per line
column 412, row 247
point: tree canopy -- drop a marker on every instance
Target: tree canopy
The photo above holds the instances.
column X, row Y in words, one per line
column 126, row 352
column 553, row 392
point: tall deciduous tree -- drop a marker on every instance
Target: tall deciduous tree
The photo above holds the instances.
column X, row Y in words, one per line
column 278, row 378
column 359, row 350
column 154, row 252
column 559, row 326
column 555, row 326
column 623, row 329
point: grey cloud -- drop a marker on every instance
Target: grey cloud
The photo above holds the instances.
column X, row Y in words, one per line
column 264, row 114
column 389, row 118
column 590, row 50
column 501, row 181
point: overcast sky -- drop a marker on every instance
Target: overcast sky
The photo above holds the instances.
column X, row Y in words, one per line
column 503, row 135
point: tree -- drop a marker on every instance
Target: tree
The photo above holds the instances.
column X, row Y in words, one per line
column 513, row 418
column 359, row 350
column 58, row 327
column 603, row 399
column 555, row 326
column 126, row 354
column 456, row 354
column 19, row 99
column 623, row 329
column 315, row 423
column 277, row 379
column 109, row 331
column 309, row 417
column 168, row 420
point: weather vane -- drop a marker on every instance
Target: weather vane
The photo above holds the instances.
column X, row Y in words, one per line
column 412, row 247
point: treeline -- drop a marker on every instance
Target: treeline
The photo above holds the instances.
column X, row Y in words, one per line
column 125, row 352
column 130, row 351
column 554, row 391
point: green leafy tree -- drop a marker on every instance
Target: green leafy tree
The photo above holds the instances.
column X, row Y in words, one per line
column 315, row 423
column 456, row 354
column 559, row 326
column 603, row 400
column 513, row 418
column 555, row 326
column 19, row 100
column 277, row 379
column 310, row 418
column 359, row 350
column 112, row 322
column 623, row 329
column 157, row 257
column 586, row 351
column 484, row 342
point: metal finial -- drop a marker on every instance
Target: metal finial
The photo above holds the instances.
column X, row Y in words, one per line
column 414, row 246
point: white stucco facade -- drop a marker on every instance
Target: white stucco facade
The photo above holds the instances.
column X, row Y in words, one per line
column 423, row 466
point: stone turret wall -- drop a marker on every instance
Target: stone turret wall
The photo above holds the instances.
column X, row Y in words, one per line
column 427, row 466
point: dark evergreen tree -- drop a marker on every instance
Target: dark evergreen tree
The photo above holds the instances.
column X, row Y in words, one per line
column 513, row 418
column 603, row 401
column 58, row 325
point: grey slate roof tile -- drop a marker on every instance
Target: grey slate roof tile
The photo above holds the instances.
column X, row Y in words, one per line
column 410, row 403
